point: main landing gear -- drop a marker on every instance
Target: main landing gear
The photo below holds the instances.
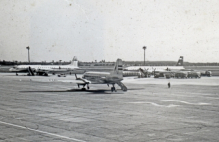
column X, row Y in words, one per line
column 84, row 87
column 16, row 74
column 113, row 88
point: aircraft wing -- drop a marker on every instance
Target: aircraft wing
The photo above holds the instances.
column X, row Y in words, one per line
column 69, row 81
column 43, row 70
column 66, row 71
column 83, row 80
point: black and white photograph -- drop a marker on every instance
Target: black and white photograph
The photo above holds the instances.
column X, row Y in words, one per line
column 109, row 71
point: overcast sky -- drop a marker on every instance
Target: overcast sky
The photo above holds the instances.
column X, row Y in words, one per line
column 109, row 29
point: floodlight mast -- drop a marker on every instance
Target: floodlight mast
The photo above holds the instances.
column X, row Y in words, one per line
column 144, row 47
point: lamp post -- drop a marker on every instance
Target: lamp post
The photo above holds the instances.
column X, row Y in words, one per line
column 144, row 47
column 28, row 48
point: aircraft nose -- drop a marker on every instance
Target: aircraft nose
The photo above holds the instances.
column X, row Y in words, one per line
column 11, row 69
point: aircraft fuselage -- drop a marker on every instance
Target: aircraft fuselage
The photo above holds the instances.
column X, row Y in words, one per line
column 102, row 77
column 23, row 68
column 154, row 68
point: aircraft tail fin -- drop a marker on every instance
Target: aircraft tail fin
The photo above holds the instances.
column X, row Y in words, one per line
column 74, row 62
column 118, row 69
column 180, row 61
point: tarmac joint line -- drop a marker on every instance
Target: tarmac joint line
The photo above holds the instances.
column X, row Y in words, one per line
column 43, row 132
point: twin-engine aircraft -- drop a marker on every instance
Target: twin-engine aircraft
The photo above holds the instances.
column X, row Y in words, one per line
column 44, row 70
column 109, row 78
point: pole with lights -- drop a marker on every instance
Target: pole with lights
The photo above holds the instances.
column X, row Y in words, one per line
column 28, row 48
column 144, row 47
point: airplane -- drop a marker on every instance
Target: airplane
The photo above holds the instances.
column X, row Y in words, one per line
column 152, row 69
column 182, row 73
column 45, row 69
column 156, row 71
column 113, row 77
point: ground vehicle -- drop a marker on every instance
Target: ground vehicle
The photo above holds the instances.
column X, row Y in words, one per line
column 206, row 73
column 61, row 75
column 157, row 75
column 194, row 74
column 166, row 75
column 181, row 75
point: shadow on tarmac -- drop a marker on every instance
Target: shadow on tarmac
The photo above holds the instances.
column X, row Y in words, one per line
column 72, row 90
column 29, row 75
column 80, row 90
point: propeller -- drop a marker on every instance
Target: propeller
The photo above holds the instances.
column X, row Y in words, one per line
column 76, row 77
column 146, row 72
column 154, row 71
column 168, row 69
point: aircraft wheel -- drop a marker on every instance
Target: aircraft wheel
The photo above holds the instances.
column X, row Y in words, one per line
column 83, row 89
column 88, row 87
column 113, row 89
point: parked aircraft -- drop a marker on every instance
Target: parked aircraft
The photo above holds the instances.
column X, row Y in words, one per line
column 177, row 71
column 45, row 69
column 157, row 71
column 152, row 69
column 113, row 77
column 183, row 73
column 206, row 73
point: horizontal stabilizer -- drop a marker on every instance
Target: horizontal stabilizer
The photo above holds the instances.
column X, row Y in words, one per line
column 123, row 87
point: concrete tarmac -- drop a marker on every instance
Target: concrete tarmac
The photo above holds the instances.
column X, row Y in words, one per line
column 34, row 108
